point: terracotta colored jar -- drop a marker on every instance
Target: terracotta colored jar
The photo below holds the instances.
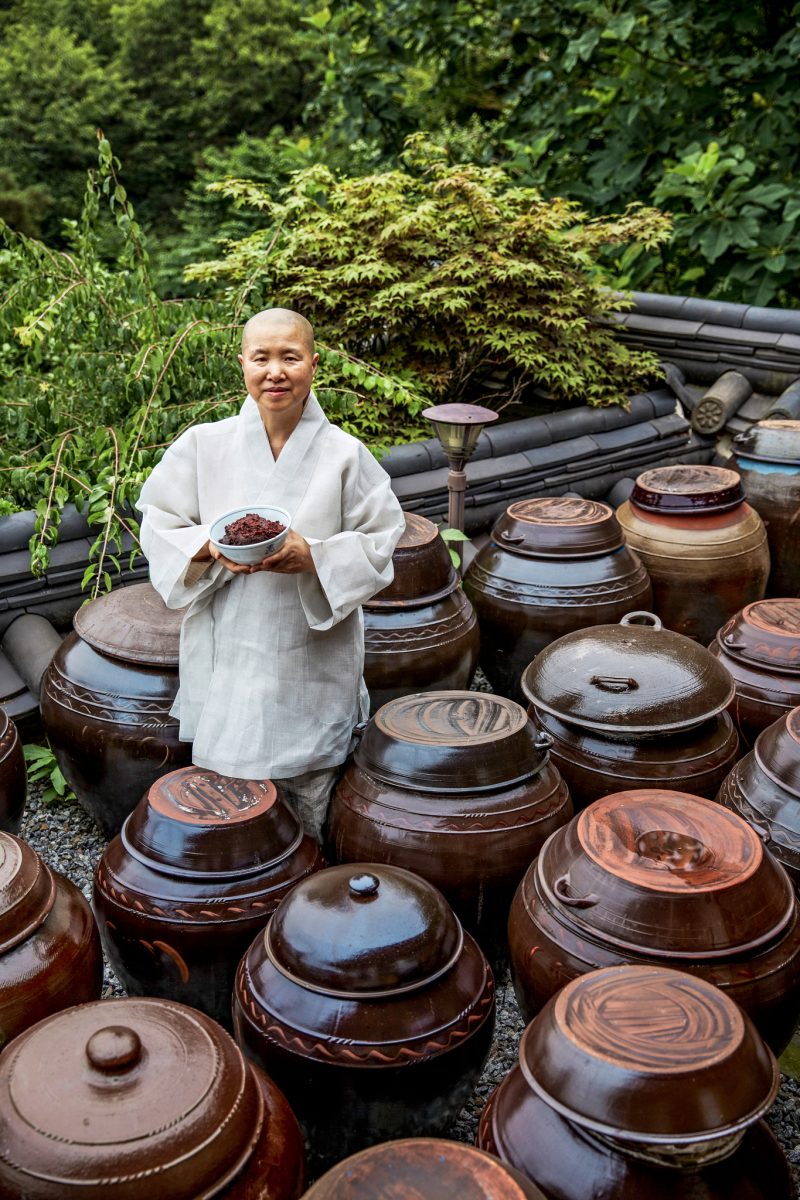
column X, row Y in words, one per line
column 760, row 649
column 106, row 698
column 423, row 1167
column 141, row 1098
column 13, row 780
column 50, row 955
column 368, row 1004
column 457, row 787
column 767, row 457
column 764, row 789
column 553, row 564
column 666, row 878
column 640, row 1083
column 420, row 632
column 633, row 705
column 703, row 547
column 200, row 866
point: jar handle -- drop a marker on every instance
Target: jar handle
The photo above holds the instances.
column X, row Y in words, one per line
column 560, row 888
column 730, row 643
column 641, row 617
column 614, row 683
column 514, row 538
column 542, row 740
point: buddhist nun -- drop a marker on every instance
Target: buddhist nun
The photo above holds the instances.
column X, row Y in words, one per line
column 271, row 656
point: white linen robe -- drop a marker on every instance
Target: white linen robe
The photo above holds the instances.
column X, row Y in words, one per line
column 271, row 665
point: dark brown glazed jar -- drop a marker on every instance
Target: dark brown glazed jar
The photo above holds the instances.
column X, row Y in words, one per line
column 664, row 878
column 760, row 649
column 50, row 956
column 106, row 698
column 767, row 457
column 13, row 780
column 633, row 706
column 553, row 564
column 420, row 632
column 764, row 789
column 640, row 1083
column 200, row 866
column 417, row 1168
column 703, row 547
column 141, row 1098
column 457, row 787
column 368, row 1005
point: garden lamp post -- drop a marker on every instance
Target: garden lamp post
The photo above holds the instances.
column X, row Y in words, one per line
column 458, row 428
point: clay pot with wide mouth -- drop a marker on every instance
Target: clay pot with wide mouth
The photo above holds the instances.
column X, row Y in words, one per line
column 760, row 649
column 50, row 956
column 420, row 632
column 106, row 700
column 704, row 548
column 665, row 878
column 140, row 1098
column 13, row 780
column 457, row 787
column 633, row 705
column 767, row 457
column 554, row 564
column 764, row 789
column 641, row 1083
column 200, row 866
column 369, row 1005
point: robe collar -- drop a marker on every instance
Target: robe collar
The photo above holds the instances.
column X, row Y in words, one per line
column 283, row 482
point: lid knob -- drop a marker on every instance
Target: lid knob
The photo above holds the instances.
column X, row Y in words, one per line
column 364, row 885
column 113, row 1049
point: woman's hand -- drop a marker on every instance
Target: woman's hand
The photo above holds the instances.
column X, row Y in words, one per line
column 236, row 568
column 293, row 558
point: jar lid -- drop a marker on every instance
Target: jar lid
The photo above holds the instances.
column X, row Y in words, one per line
column 666, row 874
column 451, row 742
column 363, row 930
column 422, row 567
column 688, row 489
column 770, row 441
column 646, row 1054
column 100, row 1097
column 133, row 624
column 27, row 891
column 558, row 527
column 635, row 677
column 777, row 751
column 423, row 1167
column 764, row 634
column 195, row 822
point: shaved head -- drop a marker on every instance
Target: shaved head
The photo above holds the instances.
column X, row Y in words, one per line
column 273, row 319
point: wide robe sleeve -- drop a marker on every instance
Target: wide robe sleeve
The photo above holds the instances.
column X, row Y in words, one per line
column 353, row 565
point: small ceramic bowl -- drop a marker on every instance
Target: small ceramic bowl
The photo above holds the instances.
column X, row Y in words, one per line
column 256, row 550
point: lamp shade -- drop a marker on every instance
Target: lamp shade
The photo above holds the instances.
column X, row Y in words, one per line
column 458, row 427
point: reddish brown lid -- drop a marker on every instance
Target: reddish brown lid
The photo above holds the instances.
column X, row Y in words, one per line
column 777, row 751
column 125, row 1099
column 195, row 822
column 133, row 624
column 27, row 891
column 645, row 1054
column 688, row 489
column 363, row 930
column 423, row 571
column 765, row 634
column 451, row 742
column 558, row 527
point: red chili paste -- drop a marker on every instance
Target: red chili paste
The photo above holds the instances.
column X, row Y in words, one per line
column 250, row 528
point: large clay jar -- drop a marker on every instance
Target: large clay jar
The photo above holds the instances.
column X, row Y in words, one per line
column 669, row 879
column 764, row 788
column 369, row 1005
column 137, row 1099
column 106, row 698
column 200, row 866
column 13, row 785
column 553, row 564
column 420, row 632
column 633, row 705
column 423, row 1169
column 455, row 786
column 640, row 1083
column 767, row 457
column 50, row 956
column 703, row 547
column 760, row 649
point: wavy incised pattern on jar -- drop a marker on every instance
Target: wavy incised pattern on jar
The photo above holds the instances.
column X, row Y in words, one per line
column 434, row 633
column 202, row 912
column 9, row 739
column 732, row 796
column 461, row 822
column 449, row 722
column 106, row 706
column 543, row 595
